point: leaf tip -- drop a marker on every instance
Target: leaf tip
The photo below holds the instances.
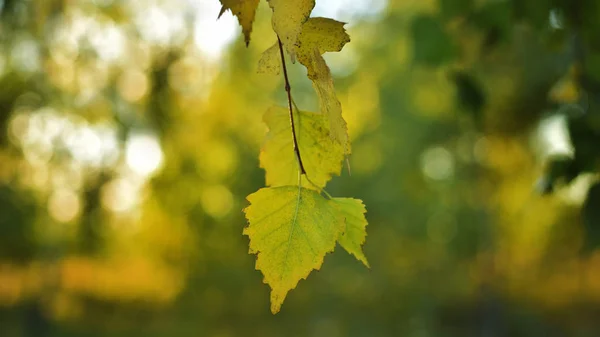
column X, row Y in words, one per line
column 362, row 258
column 277, row 298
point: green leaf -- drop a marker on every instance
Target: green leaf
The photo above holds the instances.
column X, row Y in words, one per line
column 322, row 157
column 288, row 18
column 469, row 95
column 453, row 8
column 245, row 10
column 431, row 44
column 320, row 34
column 494, row 18
column 290, row 230
column 328, row 102
column 591, row 219
column 558, row 168
column 270, row 61
column 353, row 211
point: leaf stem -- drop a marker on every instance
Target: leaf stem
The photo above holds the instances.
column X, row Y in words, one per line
column 320, row 189
column 295, row 106
column 288, row 89
column 327, row 194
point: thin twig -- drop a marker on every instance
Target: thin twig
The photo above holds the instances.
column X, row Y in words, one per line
column 288, row 89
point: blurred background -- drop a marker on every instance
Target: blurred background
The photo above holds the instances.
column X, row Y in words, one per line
column 129, row 138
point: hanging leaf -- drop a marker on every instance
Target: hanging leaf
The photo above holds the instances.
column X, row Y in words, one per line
column 288, row 18
column 245, row 10
column 292, row 227
column 329, row 103
column 320, row 34
column 322, row 157
column 355, row 233
column 290, row 230
column 270, row 61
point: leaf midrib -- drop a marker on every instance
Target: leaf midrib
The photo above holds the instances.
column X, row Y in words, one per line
column 294, row 220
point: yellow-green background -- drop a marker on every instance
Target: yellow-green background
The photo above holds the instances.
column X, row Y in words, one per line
column 459, row 241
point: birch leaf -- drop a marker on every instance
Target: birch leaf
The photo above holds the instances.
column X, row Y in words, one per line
column 321, row 35
column 322, row 157
column 355, row 233
column 329, row 103
column 290, row 230
column 245, row 10
column 270, row 61
column 288, row 18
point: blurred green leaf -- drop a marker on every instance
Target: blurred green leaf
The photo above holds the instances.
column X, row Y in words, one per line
column 495, row 19
column 17, row 216
column 432, row 46
column 591, row 218
column 453, row 8
column 558, row 168
column 469, row 94
column 584, row 131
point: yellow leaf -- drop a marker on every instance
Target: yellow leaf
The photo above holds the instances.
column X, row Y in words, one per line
column 270, row 61
column 329, row 103
column 320, row 34
column 290, row 229
column 353, row 211
column 288, row 17
column 322, row 157
column 245, row 10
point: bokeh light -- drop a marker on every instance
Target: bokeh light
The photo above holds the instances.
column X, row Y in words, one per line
column 143, row 154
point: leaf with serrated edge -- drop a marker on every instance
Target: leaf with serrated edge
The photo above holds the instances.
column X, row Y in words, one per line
column 355, row 233
column 245, row 10
column 322, row 157
column 288, row 18
column 323, row 35
column 290, row 229
column 328, row 101
column 270, row 61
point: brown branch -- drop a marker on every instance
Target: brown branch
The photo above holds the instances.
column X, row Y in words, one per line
column 288, row 89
